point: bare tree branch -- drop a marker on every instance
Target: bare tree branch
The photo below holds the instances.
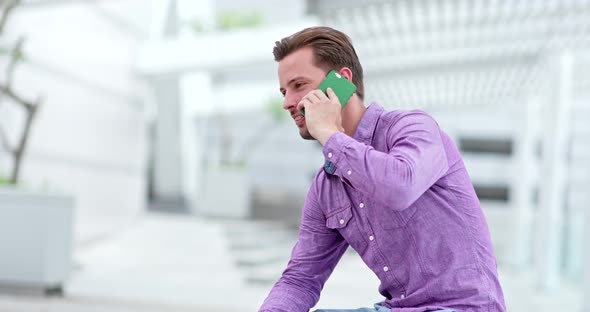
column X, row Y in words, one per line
column 16, row 53
column 15, row 57
column 10, row 4
column 5, row 143
column 29, row 106
column 22, row 145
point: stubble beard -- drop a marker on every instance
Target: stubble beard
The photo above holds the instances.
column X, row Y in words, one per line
column 304, row 133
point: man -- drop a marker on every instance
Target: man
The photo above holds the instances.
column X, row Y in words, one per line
column 393, row 187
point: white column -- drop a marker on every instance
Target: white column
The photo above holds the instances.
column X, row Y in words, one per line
column 163, row 18
column 553, row 173
column 579, row 178
column 577, row 202
column 523, row 184
column 166, row 162
column 167, row 168
column 196, row 99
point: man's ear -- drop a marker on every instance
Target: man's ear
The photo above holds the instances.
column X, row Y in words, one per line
column 346, row 73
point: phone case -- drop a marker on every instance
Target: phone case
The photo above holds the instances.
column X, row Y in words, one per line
column 343, row 88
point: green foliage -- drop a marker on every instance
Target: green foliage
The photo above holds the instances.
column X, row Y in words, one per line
column 196, row 25
column 238, row 19
column 14, row 52
column 275, row 108
column 229, row 20
column 238, row 165
column 18, row 55
column 4, row 181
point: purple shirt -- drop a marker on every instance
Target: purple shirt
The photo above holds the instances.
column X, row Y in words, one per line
column 401, row 197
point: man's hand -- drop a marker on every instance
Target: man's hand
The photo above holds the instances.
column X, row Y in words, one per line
column 322, row 114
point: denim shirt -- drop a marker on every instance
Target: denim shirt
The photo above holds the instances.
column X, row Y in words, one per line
column 398, row 193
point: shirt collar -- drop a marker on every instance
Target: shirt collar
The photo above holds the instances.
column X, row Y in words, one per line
column 366, row 127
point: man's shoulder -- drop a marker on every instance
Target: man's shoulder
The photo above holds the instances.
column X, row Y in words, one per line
column 322, row 180
column 392, row 117
column 326, row 190
column 400, row 113
column 318, row 182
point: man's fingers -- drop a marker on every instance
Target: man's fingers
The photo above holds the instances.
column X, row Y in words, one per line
column 314, row 95
column 302, row 103
column 332, row 96
column 331, row 93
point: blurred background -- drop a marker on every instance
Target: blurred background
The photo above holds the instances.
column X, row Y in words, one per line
column 146, row 164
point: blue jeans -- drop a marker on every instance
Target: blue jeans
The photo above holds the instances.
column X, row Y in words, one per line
column 378, row 308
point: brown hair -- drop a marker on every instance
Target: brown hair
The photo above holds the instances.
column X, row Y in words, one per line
column 332, row 49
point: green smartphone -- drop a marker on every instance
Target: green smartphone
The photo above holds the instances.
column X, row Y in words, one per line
column 342, row 87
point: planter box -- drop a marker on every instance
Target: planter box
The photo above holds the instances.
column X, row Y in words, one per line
column 35, row 239
column 226, row 193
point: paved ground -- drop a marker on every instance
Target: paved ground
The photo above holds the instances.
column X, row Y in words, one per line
column 178, row 263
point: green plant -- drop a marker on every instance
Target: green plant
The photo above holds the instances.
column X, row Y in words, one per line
column 5, row 181
column 234, row 19
column 196, row 25
column 228, row 20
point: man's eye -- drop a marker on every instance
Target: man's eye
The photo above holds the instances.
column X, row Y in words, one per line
column 299, row 85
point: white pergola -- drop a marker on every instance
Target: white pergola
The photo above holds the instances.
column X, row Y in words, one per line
column 460, row 52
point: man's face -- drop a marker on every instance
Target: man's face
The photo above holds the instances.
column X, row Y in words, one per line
column 297, row 77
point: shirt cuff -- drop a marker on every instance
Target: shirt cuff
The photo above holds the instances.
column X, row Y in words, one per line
column 334, row 151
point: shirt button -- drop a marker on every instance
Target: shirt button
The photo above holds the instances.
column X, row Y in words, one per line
column 362, row 205
column 349, row 172
column 371, row 237
column 402, row 296
column 341, row 221
column 330, row 155
column 385, row 269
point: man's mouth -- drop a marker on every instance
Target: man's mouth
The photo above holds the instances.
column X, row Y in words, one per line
column 299, row 120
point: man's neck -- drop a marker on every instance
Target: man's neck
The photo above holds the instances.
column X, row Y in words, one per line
column 352, row 114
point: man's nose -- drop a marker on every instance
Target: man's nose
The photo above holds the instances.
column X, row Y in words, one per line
column 289, row 103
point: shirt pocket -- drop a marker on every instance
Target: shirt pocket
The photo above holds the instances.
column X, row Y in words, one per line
column 340, row 218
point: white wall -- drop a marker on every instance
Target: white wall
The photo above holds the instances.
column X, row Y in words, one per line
column 90, row 136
